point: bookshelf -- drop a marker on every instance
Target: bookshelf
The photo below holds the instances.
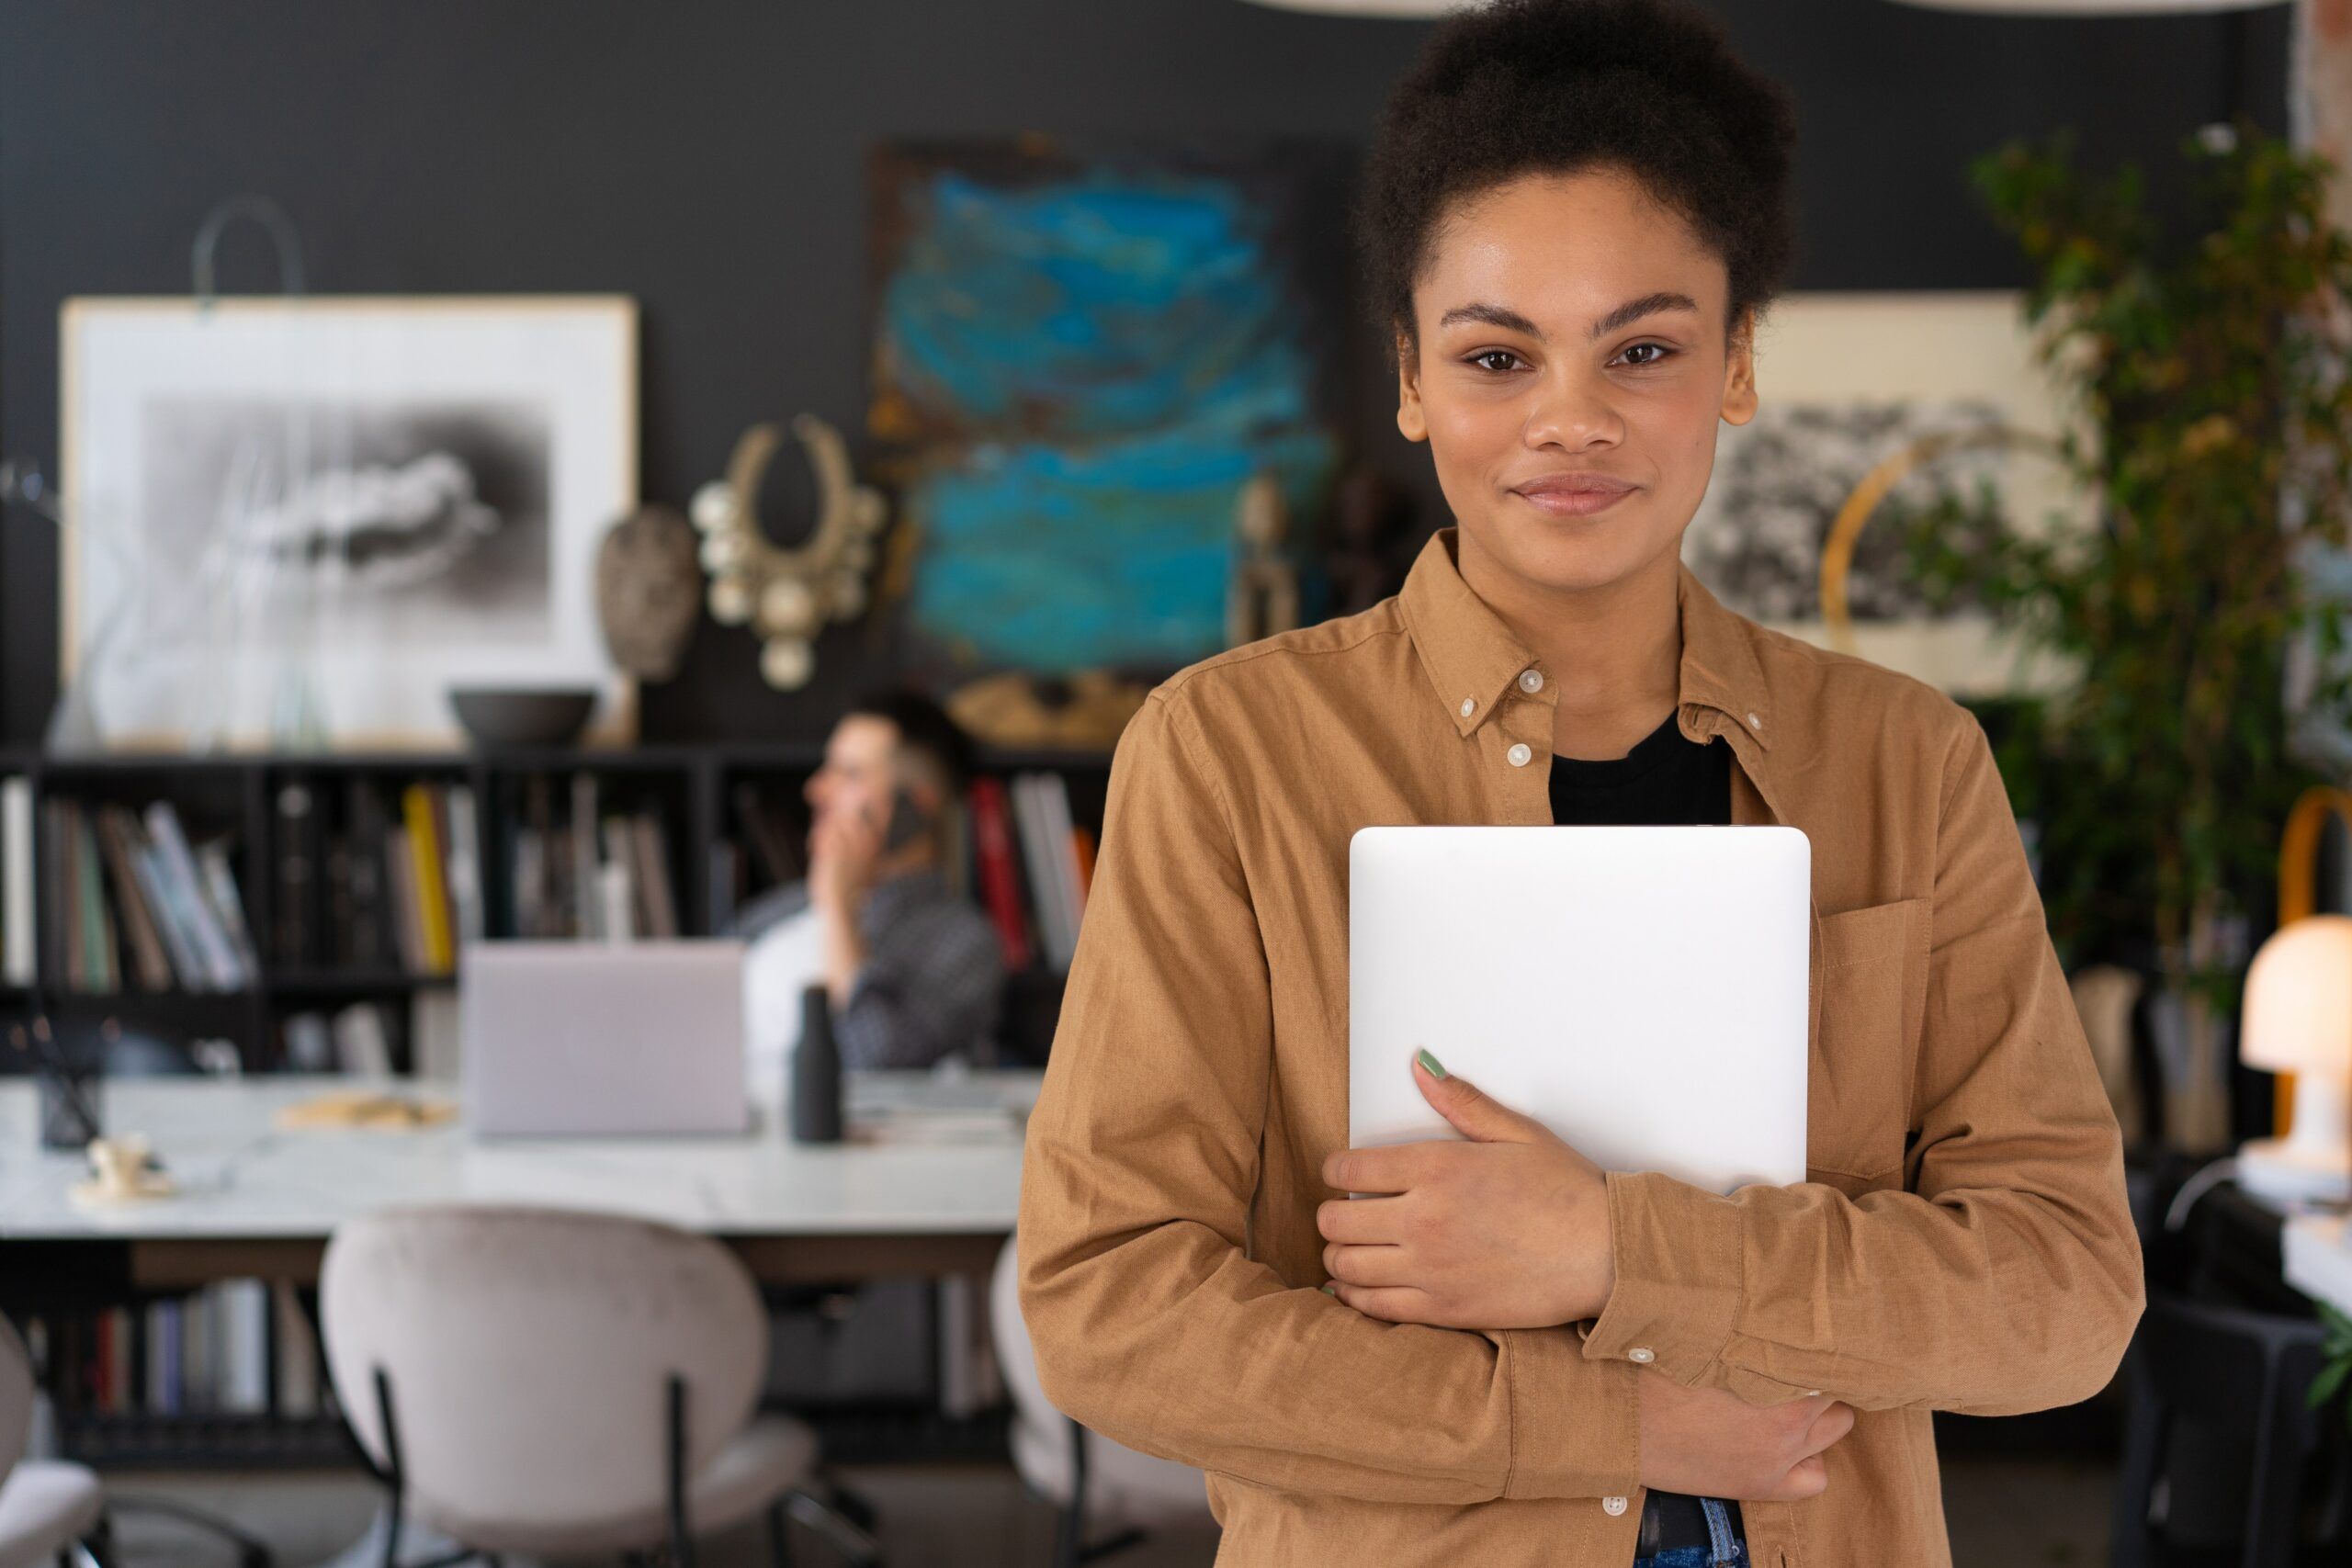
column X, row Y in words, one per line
column 287, row 827
column 125, row 1401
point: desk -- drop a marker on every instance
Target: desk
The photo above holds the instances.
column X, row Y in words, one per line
column 257, row 1199
column 2316, row 1253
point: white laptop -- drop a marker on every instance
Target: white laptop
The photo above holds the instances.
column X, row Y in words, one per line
column 1642, row 991
column 616, row 1039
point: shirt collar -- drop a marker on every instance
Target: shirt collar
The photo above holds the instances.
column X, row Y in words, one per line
column 1472, row 658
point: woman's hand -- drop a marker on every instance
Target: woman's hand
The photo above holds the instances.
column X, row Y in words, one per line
column 1708, row 1443
column 1510, row 1230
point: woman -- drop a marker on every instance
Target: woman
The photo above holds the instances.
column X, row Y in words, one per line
column 1575, row 214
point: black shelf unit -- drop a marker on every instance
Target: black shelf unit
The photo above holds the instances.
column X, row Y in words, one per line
column 691, row 784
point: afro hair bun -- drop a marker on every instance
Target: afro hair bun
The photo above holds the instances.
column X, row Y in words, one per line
column 1553, row 86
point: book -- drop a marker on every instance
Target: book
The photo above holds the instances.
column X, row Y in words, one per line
column 228, row 907
column 464, row 860
column 369, row 939
column 615, row 901
column 189, row 968
column 297, row 875
column 165, row 1389
column 19, row 941
column 587, row 885
column 297, row 1383
column 60, row 905
column 425, row 887
column 97, row 974
column 408, row 928
column 436, row 796
column 243, row 1343
column 1042, row 851
column 183, row 884
column 992, row 848
column 118, row 838
column 655, row 897
column 1053, row 795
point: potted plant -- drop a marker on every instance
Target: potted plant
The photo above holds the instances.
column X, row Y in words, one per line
column 2208, row 356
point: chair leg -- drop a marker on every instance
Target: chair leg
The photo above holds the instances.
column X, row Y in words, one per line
column 252, row 1553
column 96, row 1550
column 1069, row 1533
column 779, row 1536
column 1069, row 1526
column 853, row 1544
column 1111, row 1546
column 681, row 1546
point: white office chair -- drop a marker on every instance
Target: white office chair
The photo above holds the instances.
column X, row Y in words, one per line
column 553, row 1383
column 1091, row 1480
column 49, row 1511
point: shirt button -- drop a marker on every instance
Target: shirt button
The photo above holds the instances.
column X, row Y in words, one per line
column 1754, row 722
column 1612, row 1507
column 1641, row 1353
column 1469, row 706
column 1531, row 681
column 1518, row 755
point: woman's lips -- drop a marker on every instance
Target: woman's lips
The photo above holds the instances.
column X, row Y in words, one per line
column 1571, row 502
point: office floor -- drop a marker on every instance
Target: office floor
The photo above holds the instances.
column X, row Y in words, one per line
column 2003, row 1513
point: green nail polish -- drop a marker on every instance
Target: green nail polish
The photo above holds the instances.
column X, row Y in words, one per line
column 1330, row 1290
column 1436, row 1067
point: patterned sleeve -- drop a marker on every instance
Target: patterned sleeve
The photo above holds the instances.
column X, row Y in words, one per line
column 931, row 984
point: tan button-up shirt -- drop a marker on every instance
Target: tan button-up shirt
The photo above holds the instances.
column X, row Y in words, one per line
column 1961, row 1243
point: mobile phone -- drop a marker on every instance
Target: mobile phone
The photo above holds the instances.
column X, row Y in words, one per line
column 909, row 821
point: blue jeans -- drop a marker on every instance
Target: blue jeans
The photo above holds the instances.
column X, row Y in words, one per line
column 1726, row 1552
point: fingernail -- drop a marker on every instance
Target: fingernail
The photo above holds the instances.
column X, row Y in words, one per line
column 1330, row 1290
column 1436, row 1067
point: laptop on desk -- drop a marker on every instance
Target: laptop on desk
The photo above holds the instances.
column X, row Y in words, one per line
column 611, row 1039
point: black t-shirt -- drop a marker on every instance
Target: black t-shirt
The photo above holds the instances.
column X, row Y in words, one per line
column 1665, row 780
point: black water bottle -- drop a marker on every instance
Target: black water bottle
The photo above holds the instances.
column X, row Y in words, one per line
column 816, row 1073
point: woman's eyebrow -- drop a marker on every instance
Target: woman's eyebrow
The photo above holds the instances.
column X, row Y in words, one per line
column 1630, row 311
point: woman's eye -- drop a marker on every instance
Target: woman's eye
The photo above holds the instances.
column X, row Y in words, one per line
column 1664, row 353
column 1480, row 359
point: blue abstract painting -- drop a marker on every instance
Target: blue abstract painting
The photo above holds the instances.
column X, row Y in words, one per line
column 1082, row 364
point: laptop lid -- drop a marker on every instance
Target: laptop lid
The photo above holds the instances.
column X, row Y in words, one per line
column 593, row 1038
column 1640, row 990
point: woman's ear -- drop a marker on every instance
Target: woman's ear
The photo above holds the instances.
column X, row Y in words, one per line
column 1739, row 372
column 1411, row 422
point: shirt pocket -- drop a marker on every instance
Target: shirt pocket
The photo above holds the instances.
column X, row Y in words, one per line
column 1873, row 996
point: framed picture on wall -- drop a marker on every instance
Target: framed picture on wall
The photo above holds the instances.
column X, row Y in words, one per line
column 1085, row 352
column 1845, row 382
column 356, row 502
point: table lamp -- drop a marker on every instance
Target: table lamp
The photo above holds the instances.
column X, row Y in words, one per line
column 2298, row 1019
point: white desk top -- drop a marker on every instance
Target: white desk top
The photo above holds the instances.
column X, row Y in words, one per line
column 938, row 1168
column 2317, row 1258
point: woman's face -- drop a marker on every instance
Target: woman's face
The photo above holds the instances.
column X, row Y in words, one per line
column 1571, row 334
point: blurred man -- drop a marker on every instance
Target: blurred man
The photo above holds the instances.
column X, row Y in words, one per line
column 914, row 971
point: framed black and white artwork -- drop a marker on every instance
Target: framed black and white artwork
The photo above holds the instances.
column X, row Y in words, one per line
column 1846, row 382
column 342, row 506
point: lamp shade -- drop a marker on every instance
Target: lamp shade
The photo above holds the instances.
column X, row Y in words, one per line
column 2298, row 1013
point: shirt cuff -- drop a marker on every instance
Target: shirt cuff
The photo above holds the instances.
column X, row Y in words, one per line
column 1574, row 1425
column 1679, row 1256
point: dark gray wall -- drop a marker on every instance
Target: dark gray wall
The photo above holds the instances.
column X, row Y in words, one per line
column 707, row 158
